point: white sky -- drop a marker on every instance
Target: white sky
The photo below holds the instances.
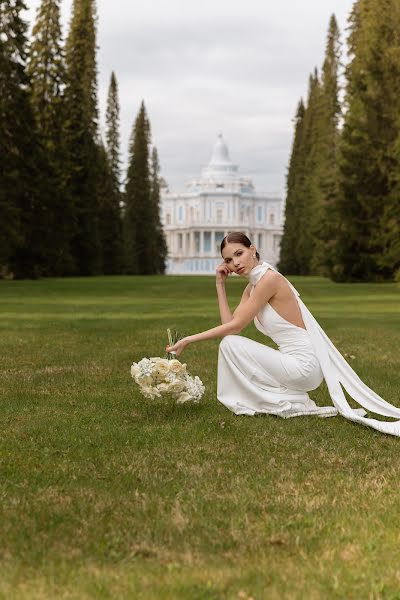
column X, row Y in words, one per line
column 210, row 66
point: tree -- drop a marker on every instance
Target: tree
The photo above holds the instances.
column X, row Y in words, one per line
column 324, row 220
column 160, row 249
column 138, row 215
column 23, row 195
column 367, row 157
column 81, row 136
column 288, row 262
column 46, row 70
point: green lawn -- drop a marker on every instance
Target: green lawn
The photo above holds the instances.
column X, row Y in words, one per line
column 106, row 495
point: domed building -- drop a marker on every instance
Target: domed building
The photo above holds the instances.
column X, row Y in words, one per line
column 219, row 201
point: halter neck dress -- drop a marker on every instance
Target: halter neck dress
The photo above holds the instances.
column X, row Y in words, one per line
column 254, row 378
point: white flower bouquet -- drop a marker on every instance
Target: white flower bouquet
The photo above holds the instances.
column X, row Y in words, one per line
column 158, row 377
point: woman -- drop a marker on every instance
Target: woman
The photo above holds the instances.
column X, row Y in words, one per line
column 253, row 378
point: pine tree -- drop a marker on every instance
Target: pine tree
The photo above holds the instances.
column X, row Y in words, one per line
column 324, row 220
column 307, row 198
column 23, row 194
column 138, row 215
column 160, row 249
column 81, row 135
column 288, row 262
column 112, row 129
column 110, row 227
column 368, row 142
column 46, row 69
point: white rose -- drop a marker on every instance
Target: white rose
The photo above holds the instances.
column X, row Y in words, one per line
column 175, row 366
column 183, row 397
column 163, row 387
column 175, row 387
column 134, row 369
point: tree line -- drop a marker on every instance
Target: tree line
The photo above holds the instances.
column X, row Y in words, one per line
column 63, row 210
column 343, row 180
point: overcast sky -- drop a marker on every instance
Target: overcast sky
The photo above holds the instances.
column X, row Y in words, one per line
column 212, row 66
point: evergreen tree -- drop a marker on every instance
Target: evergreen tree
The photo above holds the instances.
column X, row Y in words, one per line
column 112, row 129
column 307, row 198
column 138, row 216
column 81, row 136
column 23, row 195
column 288, row 262
column 160, row 249
column 110, row 226
column 324, row 219
column 46, row 70
column 368, row 144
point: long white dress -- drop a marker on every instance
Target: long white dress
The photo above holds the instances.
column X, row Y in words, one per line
column 253, row 378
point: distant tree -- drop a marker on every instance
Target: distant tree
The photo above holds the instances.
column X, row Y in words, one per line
column 308, row 194
column 288, row 262
column 23, row 197
column 46, row 70
column 81, row 136
column 110, row 226
column 160, row 249
column 138, row 215
column 112, row 129
column 324, row 219
column 366, row 246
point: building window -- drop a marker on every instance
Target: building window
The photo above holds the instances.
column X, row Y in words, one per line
column 197, row 242
column 207, row 241
column 272, row 219
column 260, row 237
column 219, row 236
column 259, row 213
column 180, row 217
column 180, row 241
column 168, row 219
column 219, row 215
column 187, row 247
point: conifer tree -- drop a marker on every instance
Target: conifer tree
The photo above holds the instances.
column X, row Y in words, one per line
column 307, row 199
column 288, row 262
column 112, row 129
column 324, row 218
column 46, row 69
column 81, row 133
column 110, row 226
column 138, row 215
column 160, row 250
column 368, row 143
column 23, row 196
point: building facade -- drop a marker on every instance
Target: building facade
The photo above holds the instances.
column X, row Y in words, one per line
column 219, row 201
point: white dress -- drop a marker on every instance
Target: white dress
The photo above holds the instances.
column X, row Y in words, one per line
column 253, row 378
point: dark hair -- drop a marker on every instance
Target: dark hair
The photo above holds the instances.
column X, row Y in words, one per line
column 237, row 237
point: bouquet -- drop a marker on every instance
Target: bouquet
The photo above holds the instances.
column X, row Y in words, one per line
column 158, row 377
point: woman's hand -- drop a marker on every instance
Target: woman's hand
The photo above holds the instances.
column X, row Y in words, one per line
column 179, row 347
column 222, row 273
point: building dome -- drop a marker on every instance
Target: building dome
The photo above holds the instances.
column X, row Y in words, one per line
column 220, row 166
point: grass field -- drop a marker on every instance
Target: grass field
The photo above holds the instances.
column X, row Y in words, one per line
column 105, row 495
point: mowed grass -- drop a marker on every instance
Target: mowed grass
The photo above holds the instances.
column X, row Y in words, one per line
column 107, row 495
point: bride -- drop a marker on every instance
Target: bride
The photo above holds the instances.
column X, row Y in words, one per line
column 254, row 378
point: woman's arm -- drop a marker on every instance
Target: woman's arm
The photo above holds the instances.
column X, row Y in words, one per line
column 243, row 315
column 224, row 310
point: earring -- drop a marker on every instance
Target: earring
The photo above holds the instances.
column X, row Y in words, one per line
column 254, row 256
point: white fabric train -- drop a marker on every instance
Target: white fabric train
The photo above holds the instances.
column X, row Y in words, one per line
column 246, row 390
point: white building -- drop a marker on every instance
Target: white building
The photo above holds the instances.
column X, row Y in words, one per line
column 218, row 202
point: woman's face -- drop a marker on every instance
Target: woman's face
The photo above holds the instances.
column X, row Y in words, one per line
column 238, row 258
